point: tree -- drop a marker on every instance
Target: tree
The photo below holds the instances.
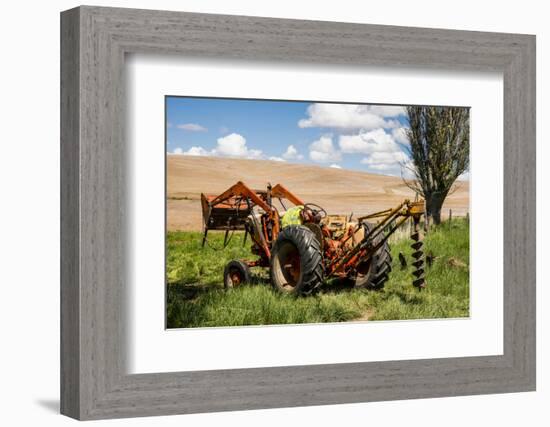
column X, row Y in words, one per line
column 439, row 150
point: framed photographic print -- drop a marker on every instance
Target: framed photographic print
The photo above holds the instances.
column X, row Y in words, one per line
column 352, row 175
column 292, row 213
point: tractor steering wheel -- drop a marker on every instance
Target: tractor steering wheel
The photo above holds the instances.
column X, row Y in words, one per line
column 316, row 209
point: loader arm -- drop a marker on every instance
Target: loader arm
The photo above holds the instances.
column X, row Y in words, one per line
column 281, row 192
column 240, row 189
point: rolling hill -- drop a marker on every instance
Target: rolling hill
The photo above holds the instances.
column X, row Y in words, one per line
column 339, row 191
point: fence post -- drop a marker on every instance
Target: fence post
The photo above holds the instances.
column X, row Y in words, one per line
column 426, row 217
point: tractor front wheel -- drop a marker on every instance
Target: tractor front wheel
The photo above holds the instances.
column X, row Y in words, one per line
column 296, row 261
column 236, row 273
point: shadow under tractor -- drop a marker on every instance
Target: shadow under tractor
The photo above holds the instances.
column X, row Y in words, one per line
column 303, row 246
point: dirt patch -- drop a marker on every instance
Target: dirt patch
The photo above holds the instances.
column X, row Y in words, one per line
column 456, row 263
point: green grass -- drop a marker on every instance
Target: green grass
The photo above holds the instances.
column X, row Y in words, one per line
column 196, row 298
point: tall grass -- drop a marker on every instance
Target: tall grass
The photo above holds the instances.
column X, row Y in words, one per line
column 196, row 298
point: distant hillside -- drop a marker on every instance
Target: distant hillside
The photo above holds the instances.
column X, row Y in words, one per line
column 337, row 190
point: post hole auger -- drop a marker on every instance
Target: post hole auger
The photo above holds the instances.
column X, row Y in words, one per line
column 418, row 255
column 303, row 246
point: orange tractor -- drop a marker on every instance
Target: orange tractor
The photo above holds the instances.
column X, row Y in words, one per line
column 302, row 245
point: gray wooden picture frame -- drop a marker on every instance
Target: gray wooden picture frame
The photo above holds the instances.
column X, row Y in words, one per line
column 94, row 382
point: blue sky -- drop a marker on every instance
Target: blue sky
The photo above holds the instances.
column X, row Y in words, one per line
column 361, row 137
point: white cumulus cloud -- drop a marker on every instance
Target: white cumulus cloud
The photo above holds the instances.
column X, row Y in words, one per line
column 276, row 159
column 192, row 127
column 196, row 151
column 387, row 110
column 385, row 160
column 232, row 145
column 291, row 153
column 323, row 151
column 351, row 116
column 400, row 135
column 368, row 142
column 177, row 150
column 380, row 148
column 335, row 166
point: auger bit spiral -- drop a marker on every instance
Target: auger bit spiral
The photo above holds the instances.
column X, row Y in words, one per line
column 419, row 281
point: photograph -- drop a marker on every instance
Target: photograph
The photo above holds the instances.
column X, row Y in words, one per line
column 293, row 212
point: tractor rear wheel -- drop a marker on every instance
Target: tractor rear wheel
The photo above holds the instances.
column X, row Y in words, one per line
column 296, row 261
column 374, row 273
column 236, row 273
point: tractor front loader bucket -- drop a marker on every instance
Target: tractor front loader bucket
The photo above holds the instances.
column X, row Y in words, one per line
column 227, row 215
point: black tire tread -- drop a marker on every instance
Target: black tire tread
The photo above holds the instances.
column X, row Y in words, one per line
column 382, row 265
column 311, row 258
column 241, row 266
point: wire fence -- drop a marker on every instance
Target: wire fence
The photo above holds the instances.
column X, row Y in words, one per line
column 406, row 229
